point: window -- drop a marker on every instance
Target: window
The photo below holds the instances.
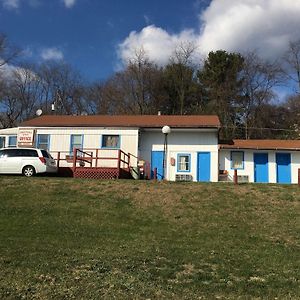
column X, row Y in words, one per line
column 2, row 141
column 18, row 153
column 110, row 141
column 76, row 142
column 12, row 141
column 237, row 160
column 26, row 152
column 183, row 162
column 43, row 141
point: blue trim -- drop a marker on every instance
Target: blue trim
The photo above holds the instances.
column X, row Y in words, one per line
column 189, row 162
column 119, row 141
column 37, row 143
column 71, row 142
column 231, row 165
column 9, row 141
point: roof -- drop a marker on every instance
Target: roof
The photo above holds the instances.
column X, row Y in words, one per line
column 262, row 144
column 8, row 131
column 140, row 121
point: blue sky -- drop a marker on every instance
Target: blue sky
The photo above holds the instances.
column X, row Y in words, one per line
column 98, row 36
column 87, row 34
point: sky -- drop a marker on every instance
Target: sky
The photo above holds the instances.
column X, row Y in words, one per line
column 98, row 37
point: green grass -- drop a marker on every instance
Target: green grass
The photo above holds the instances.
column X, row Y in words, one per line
column 87, row 239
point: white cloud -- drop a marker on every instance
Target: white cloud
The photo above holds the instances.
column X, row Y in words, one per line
column 233, row 25
column 11, row 4
column 69, row 3
column 52, row 54
column 265, row 25
column 156, row 42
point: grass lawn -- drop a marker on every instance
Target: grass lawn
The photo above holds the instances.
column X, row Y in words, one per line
column 88, row 239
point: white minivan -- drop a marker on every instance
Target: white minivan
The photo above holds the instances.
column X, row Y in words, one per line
column 26, row 161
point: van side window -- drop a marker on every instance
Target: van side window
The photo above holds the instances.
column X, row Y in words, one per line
column 27, row 153
column 6, row 153
column 45, row 153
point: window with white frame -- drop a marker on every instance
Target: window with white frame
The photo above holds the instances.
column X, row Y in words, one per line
column 110, row 141
column 237, row 160
column 183, row 162
column 76, row 142
column 2, row 141
column 43, row 141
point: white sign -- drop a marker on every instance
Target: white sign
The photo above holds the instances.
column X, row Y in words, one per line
column 26, row 137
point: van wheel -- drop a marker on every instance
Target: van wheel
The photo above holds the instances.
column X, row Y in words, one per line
column 28, row 171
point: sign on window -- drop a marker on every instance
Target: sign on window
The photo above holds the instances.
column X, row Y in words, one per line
column 26, row 137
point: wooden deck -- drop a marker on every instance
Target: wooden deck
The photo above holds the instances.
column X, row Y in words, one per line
column 92, row 164
column 101, row 173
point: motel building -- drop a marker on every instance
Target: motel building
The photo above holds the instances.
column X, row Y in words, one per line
column 175, row 148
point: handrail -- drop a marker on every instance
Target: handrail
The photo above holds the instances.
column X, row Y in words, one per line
column 146, row 166
column 93, row 157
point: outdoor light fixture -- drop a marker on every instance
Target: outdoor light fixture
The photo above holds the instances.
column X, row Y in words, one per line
column 165, row 130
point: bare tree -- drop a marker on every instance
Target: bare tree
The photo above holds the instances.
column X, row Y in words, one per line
column 259, row 79
column 180, row 79
column 137, row 89
column 292, row 60
column 21, row 97
column 7, row 51
column 62, row 86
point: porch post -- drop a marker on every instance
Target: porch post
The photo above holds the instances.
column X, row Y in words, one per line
column 235, row 177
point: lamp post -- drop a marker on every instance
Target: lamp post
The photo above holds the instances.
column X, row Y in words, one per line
column 165, row 130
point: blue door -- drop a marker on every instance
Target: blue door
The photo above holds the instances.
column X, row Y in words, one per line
column 261, row 170
column 283, row 162
column 157, row 160
column 203, row 166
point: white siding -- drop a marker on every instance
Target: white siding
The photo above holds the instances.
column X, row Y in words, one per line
column 225, row 164
column 182, row 142
column 6, row 133
column 60, row 140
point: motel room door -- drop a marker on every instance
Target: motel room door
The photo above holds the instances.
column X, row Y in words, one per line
column 283, row 163
column 157, row 160
column 203, row 166
column 261, row 169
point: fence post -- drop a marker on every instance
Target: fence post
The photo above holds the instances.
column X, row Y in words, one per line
column 235, row 177
column 128, row 161
column 97, row 153
column 119, row 160
column 155, row 173
column 74, row 158
column 58, row 159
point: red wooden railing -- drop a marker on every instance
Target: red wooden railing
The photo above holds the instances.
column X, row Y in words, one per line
column 93, row 157
column 145, row 169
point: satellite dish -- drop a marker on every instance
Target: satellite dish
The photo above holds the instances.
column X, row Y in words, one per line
column 38, row 112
